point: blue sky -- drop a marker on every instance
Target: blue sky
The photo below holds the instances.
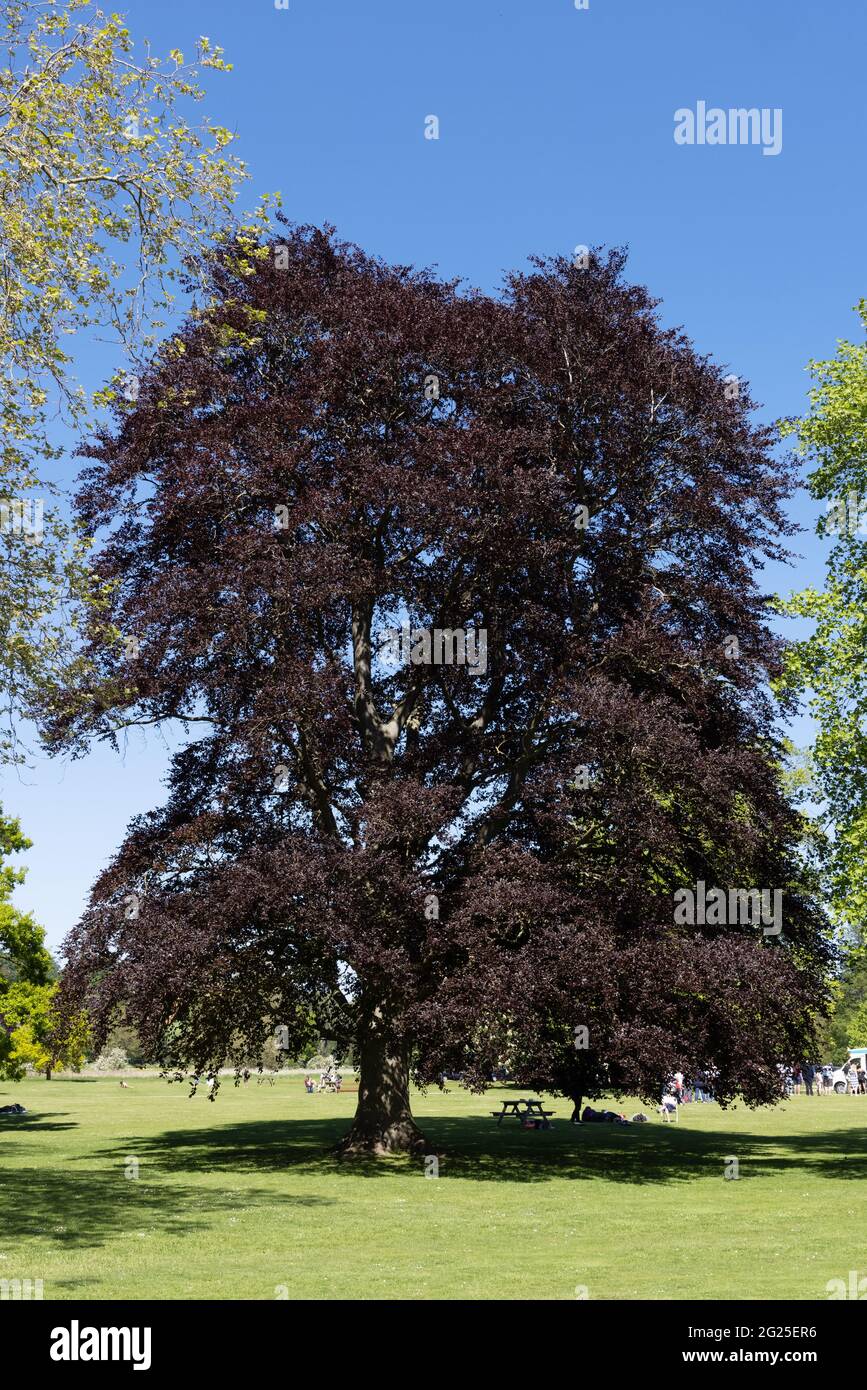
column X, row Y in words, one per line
column 556, row 129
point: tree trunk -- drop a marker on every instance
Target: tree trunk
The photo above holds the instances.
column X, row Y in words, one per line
column 383, row 1121
column 47, row 1073
column 576, row 1099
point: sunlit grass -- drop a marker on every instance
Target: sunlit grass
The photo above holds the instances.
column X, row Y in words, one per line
column 241, row 1199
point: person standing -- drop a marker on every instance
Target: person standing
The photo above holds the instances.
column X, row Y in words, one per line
column 808, row 1072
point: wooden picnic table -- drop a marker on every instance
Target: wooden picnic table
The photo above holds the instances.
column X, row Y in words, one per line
column 522, row 1110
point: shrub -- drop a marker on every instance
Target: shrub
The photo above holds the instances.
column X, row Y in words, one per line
column 115, row 1059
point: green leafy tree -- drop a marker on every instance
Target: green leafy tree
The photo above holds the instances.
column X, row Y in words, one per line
column 23, row 956
column 831, row 664
column 857, row 1026
column 27, row 1011
column 107, row 195
column 122, row 1039
column 28, row 980
column 847, row 1025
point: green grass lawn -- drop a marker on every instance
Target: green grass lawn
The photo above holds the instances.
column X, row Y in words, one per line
column 240, row 1197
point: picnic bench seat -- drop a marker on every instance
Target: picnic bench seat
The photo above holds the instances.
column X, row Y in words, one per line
column 521, row 1114
column 521, row 1110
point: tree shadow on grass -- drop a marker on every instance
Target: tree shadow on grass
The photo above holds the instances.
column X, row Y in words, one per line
column 14, row 1131
column 26, row 1124
column 84, row 1209
column 470, row 1148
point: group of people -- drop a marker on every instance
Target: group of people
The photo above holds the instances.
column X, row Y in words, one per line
column 814, row 1080
column 681, row 1090
column 329, row 1080
column 819, row 1080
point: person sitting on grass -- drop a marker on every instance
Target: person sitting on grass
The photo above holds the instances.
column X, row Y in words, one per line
column 669, row 1103
column 309, row 1085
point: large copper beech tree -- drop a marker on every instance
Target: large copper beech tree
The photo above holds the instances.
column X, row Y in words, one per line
column 447, row 864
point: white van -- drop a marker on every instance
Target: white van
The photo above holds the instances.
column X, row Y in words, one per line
column 839, row 1079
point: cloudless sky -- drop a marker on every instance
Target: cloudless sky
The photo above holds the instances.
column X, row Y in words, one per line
column 556, row 129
